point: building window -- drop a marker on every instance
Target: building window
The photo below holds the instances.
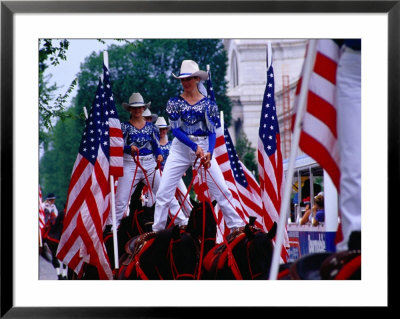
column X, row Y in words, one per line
column 234, row 71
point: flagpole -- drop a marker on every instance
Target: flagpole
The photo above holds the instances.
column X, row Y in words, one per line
column 308, row 66
column 113, row 214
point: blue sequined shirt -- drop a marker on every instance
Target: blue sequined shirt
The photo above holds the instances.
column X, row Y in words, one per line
column 197, row 119
column 165, row 150
column 146, row 139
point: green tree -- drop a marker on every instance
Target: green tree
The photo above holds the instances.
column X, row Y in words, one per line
column 146, row 66
column 57, row 162
column 246, row 153
column 51, row 52
column 143, row 66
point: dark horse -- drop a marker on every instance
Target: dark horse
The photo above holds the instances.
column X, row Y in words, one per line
column 173, row 253
column 246, row 254
column 136, row 223
column 178, row 253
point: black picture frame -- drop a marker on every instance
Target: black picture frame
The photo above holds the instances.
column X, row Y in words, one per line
column 9, row 8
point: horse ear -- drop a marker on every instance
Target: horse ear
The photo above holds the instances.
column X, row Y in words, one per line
column 272, row 231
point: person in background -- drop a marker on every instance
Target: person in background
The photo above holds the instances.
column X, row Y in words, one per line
column 52, row 240
column 193, row 118
column 165, row 146
column 141, row 154
column 146, row 198
column 148, row 116
column 316, row 214
column 50, row 208
column 306, row 218
column 318, row 211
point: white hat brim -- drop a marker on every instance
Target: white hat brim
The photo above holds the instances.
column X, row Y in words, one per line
column 127, row 106
column 203, row 75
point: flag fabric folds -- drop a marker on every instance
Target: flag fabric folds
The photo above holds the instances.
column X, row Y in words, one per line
column 88, row 203
column 240, row 181
column 318, row 136
column 270, row 163
column 116, row 137
column 41, row 213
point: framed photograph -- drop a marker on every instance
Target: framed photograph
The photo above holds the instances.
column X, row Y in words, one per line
column 23, row 23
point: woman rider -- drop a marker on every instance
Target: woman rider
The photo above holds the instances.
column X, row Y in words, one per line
column 165, row 146
column 140, row 138
column 193, row 119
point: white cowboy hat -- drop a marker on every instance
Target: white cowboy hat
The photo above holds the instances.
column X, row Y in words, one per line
column 147, row 113
column 190, row 68
column 161, row 123
column 135, row 100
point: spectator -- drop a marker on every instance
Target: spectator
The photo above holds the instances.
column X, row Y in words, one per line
column 318, row 210
column 306, row 218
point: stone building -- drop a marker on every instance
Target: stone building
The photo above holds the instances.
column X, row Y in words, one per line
column 246, row 77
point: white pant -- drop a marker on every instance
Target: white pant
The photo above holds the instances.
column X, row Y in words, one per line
column 186, row 206
column 123, row 193
column 349, row 135
column 180, row 158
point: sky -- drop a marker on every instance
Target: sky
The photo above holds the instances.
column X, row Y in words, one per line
column 66, row 71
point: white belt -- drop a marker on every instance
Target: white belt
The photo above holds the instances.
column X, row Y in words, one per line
column 197, row 138
column 146, row 157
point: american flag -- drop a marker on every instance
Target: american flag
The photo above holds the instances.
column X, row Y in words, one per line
column 88, row 203
column 240, row 181
column 270, row 164
column 41, row 212
column 318, row 137
column 116, row 137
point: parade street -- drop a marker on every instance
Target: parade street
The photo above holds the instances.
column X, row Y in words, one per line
column 46, row 270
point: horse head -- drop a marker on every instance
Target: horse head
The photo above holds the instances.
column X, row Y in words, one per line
column 260, row 248
column 202, row 214
column 249, row 255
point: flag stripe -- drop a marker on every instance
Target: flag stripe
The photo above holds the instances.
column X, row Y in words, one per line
column 245, row 190
column 323, row 111
column 81, row 164
column 115, row 131
column 42, row 217
column 321, row 135
column 329, row 49
column 88, row 203
column 76, row 205
column 318, row 137
column 116, row 151
column 101, row 177
column 270, row 163
column 95, row 259
column 325, row 67
column 66, row 247
column 322, row 88
column 321, row 155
